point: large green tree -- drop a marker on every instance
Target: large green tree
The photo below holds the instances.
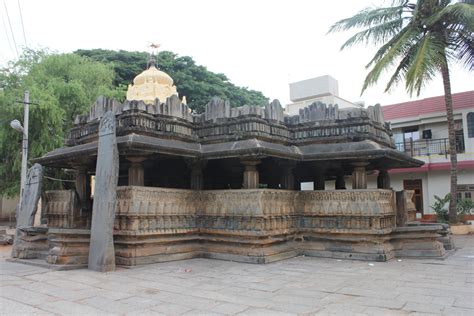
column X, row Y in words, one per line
column 62, row 86
column 418, row 39
column 195, row 82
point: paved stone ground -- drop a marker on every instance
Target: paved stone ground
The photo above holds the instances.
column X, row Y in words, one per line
column 301, row 285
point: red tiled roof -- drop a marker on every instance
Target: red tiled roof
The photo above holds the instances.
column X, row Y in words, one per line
column 436, row 166
column 429, row 105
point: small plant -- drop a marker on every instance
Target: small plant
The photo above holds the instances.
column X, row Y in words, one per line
column 441, row 208
column 464, row 207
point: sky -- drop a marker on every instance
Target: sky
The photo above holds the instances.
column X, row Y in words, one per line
column 259, row 44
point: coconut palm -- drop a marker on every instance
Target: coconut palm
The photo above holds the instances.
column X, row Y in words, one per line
column 418, row 39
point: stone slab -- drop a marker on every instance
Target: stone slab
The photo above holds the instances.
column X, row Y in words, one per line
column 101, row 251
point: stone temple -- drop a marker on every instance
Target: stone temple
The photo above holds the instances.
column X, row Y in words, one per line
column 170, row 184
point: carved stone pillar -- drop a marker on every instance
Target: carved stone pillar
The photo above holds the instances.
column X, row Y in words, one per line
column 402, row 209
column 340, row 182
column 197, row 177
column 136, row 174
column 251, row 177
column 359, row 175
column 319, row 182
column 383, row 180
column 83, row 187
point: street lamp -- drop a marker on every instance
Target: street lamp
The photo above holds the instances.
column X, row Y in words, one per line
column 16, row 125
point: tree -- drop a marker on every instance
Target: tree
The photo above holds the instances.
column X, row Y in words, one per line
column 419, row 39
column 63, row 86
column 195, row 82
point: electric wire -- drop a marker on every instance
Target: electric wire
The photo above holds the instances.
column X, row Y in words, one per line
column 56, row 179
column 11, row 29
column 22, row 24
column 7, row 35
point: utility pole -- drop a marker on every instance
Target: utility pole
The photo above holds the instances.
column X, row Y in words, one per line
column 24, row 154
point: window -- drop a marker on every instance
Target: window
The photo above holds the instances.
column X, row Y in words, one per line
column 411, row 133
column 470, row 124
column 465, row 191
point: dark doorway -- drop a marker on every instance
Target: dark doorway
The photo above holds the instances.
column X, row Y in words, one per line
column 417, row 186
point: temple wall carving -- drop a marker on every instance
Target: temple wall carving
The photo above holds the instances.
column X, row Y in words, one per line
column 148, row 209
column 61, row 209
column 255, row 225
column 155, row 209
column 349, row 210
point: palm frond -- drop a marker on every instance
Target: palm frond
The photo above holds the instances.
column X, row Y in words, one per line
column 457, row 13
column 402, row 68
column 388, row 54
column 462, row 47
column 375, row 34
column 367, row 18
column 426, row 63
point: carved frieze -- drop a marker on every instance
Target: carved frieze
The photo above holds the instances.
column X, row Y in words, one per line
column 251, row 212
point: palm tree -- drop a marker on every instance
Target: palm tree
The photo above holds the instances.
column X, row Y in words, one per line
column 418, row 39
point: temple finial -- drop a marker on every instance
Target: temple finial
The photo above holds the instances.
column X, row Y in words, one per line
column 151, row 62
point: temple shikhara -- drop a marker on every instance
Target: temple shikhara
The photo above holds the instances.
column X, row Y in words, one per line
column 156, row 182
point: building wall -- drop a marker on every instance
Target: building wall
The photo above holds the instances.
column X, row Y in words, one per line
column 433, row 183
column 324, row 89
column 8, row 208
column 468, row 142
column 294, row 108
column 309, row 88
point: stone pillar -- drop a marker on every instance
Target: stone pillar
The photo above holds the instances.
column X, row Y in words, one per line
column 251, row 177
column 136, row 174
column 383, row 180
column 359, row 176
column 197, row 177
column 25, row 214
column 319, row 182
column 402, row 212
column 101, row 248
column 83, row 187
column 340, row 182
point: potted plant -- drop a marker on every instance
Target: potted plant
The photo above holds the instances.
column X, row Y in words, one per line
column 464, row 207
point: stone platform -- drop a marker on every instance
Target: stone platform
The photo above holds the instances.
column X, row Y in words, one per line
column 253, row 226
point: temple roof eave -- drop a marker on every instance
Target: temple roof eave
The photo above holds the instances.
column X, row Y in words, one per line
column 141, row 144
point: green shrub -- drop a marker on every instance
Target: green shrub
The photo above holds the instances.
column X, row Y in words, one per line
column 464, row 207
column 441, row 208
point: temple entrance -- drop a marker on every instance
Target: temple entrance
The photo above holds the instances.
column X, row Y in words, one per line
column 417, row 186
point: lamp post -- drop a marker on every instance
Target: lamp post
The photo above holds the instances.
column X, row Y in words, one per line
column 16, row 125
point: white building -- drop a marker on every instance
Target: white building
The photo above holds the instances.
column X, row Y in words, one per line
column 324, row 89
column 420, row 129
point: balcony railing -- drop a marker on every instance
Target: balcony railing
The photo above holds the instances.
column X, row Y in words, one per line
column 428, row 147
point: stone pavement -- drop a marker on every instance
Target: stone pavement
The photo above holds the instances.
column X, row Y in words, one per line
column 300, row 285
